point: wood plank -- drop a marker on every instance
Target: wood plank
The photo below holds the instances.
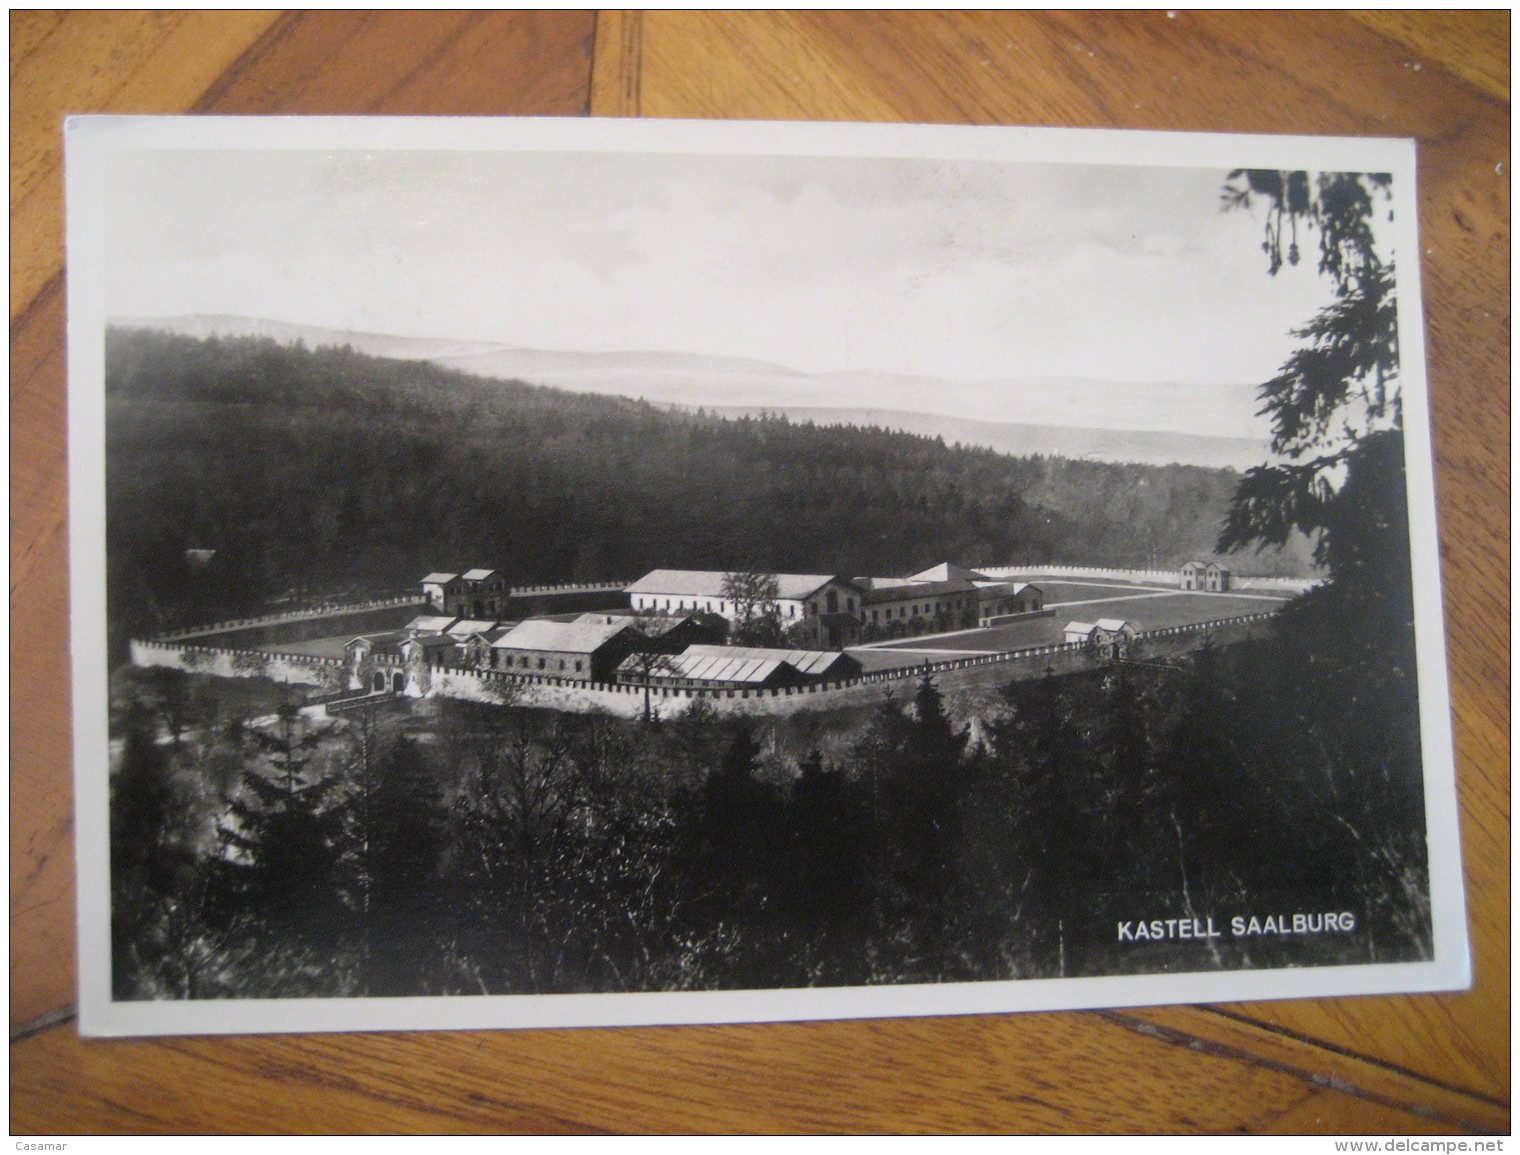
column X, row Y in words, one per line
column 63, row 63
column 1198, row 71
column 413, row 63
column 1034, row 1074
column 616, row 62
column 1472, row 44
column 42, row 845
column 1206, row 1028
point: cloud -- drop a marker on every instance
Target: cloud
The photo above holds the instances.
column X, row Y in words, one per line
column 964, row 270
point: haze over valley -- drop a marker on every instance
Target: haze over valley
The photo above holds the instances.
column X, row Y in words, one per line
column 1153, row 423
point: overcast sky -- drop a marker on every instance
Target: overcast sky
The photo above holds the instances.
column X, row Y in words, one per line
column 966, row 270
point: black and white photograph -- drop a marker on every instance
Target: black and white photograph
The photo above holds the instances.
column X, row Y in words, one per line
column 537, row 573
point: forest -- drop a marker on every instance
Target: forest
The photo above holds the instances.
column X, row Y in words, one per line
column 443, row 847
column 324, row 471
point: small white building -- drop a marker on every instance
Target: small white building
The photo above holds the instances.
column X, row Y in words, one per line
column 429, row 625
column 433, row 586
column 1077, row 632
column 466, row 628
column 1211, row 578
column 427, row 650
column 1111, row 634
column 1115, row 629
column 476, row 649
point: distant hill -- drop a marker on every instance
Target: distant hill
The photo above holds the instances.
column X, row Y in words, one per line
column 1116, row 445
column 206, row 325
column 315, row 470
column 1148, row 422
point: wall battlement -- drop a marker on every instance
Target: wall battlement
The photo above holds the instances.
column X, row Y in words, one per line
column 627, row 699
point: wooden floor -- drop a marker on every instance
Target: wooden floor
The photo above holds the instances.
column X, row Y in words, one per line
column 1388, row 1066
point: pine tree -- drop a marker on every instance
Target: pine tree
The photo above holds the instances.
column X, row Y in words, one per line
column 915, row 762
column 828, row 893
column 284, row 848
column 1212, row 822
column 1133, row 838
column 933, row 743
column 738, row 867
column 1050, row 786
column 143, row 862
column 401, row 845
column 1337, row 419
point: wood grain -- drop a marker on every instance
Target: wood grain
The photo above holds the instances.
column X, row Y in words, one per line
column 70, row 62
column 616, row 63
column 42, row 845
column 1471, row 44
column 1383, row 1065
column 1043, row 1073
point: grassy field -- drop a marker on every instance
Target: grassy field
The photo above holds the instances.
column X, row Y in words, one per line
column 315, row 647
column 1090, row 589
column 1157, row 610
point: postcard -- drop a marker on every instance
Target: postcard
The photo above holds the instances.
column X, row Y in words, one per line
column 588, row 572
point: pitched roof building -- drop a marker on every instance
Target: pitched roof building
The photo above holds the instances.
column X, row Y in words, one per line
column 587, row 651
column 1112, row 632
column 429, row 624
column 466, row 628
column 814, row 601
column 694, row 584
column 710, row 671
column 893, row 608
column 1212, row 578
column 813, row 665
column 1005, row 599
column 948, row 571
column 433, row 586
column 476, row 593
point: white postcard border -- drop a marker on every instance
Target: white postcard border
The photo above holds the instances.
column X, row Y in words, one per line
column 89, row 142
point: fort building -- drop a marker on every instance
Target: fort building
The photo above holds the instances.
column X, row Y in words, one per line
column 904, row 606
column 667, row 635
column 824, row 607
column 1006, row 599
column 1210, row 578
column 476, row 593
column 581, row 651
column 1110, row 634
column 811, row 665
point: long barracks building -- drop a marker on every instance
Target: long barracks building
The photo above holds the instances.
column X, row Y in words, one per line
column 826, row 605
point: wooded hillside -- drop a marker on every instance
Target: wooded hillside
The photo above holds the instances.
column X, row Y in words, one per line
column 327, row 471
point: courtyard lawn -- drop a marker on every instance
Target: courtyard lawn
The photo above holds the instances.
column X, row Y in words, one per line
column 313, row 647
column 1086, row 589
column 873, row 660
column 1157, row 610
